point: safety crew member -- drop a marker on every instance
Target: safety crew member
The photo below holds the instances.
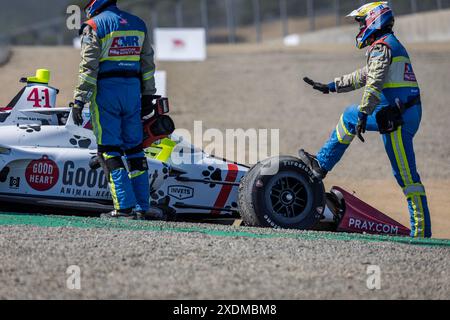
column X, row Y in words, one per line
column 390, row 105
column 117, row 77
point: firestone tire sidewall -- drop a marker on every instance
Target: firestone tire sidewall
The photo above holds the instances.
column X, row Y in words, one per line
column 262, row 210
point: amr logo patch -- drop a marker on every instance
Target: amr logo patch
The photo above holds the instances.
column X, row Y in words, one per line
column 181, row 192
column 125, row 46
column 409, row 73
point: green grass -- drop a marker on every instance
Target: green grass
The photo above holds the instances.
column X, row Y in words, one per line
column 13, row 219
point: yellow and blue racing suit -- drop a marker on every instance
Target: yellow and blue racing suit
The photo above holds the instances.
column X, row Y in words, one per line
column 388, row 76
column 118, row 67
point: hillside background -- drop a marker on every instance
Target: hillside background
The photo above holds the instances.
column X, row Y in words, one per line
column 43, row 22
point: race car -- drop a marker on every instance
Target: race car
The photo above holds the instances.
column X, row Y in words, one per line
column 46, row 160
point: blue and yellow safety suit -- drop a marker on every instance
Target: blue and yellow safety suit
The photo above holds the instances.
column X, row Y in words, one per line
column 388, row 76
column 118, row 67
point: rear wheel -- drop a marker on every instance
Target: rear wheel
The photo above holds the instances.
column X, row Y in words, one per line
column 290, row 198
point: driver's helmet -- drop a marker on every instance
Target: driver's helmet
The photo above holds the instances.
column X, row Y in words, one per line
column 94, row 7
column 373, row 18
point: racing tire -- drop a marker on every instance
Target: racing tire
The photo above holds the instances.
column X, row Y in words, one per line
column 292, row 198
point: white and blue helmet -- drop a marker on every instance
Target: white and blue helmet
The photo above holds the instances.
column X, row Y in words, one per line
column 372, row 17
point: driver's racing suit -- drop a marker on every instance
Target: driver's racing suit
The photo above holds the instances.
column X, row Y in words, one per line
column 117, row 67
column 387, row 76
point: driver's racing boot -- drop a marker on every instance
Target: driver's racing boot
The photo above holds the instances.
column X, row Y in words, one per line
column 120, row 214
column 312, row 162
column 151, row 214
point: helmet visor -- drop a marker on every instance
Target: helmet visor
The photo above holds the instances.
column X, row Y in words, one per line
column 362, row 30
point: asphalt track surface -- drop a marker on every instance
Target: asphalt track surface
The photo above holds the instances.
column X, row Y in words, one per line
column 161, row 260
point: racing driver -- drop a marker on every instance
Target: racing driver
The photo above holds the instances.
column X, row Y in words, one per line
column 117, row 78
column 391, row 105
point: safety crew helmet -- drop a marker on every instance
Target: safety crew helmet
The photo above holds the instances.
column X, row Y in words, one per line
column 94, row 7
column 373, row 18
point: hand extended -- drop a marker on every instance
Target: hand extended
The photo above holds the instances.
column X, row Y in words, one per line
column 324, row 88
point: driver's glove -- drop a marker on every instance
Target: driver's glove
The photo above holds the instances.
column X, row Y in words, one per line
column 361, row 126
column 324, row 88
column 77, row 112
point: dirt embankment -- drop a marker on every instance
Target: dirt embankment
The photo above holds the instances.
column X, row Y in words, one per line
column 5, row 53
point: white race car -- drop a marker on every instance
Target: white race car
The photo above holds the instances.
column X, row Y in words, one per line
column 46, row 160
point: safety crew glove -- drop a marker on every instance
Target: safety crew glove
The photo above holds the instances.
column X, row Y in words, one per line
column 361, row 126
column 148, row 106
column 77, row 112
column 324, row 88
